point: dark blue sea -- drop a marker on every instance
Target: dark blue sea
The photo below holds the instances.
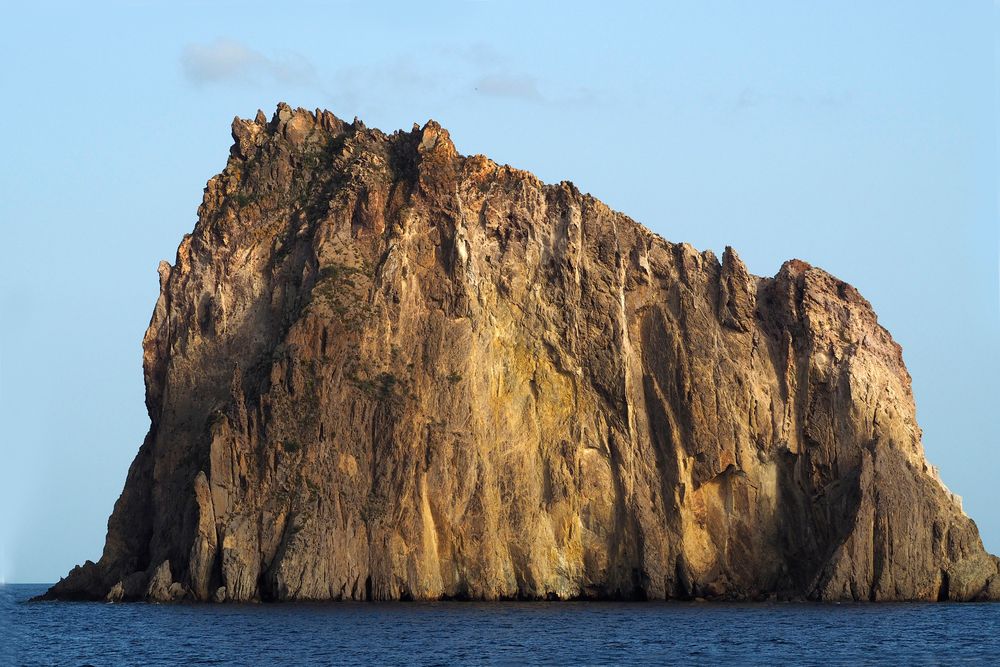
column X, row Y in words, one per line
column 456, row 633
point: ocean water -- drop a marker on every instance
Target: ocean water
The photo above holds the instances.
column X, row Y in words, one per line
column 450, row 633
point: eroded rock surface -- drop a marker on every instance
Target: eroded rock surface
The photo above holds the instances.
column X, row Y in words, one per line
column 378, row 369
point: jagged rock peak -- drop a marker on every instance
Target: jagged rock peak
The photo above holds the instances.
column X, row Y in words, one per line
column 379, row 369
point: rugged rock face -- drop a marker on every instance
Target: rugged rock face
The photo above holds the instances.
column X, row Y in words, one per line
column 379, row 369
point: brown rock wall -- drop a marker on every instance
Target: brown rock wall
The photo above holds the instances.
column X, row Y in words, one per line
column 379, row 369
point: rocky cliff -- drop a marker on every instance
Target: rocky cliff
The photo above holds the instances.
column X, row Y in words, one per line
column 379, row 369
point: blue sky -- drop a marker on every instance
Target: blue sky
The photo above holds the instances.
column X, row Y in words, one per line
column 859, row 136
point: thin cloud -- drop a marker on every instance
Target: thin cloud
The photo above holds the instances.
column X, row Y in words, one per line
column 491, row 73
column 514, row 86
column 478, row 54
column 400, row 75
column 440, row 72
column 229, row 61
column 750, row 98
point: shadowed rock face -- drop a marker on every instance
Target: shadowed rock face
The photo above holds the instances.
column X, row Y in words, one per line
column 381, row 370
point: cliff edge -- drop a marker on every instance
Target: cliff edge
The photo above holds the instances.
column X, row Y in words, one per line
column 379, row 369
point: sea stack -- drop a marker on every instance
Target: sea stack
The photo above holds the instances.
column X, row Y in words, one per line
column 378, row 369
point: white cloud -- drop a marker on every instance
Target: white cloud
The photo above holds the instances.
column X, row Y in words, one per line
column 230, row 61
column 427, row 77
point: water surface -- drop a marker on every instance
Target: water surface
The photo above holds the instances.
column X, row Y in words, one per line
column 447, row 633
